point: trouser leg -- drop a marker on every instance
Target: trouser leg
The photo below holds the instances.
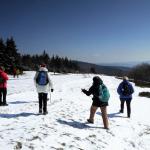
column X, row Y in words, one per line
column 128, row 102
column 104, row 117
column 122, row 106
column 44, row 102
column 1, row 91
column 40, row 101
column 4, row 95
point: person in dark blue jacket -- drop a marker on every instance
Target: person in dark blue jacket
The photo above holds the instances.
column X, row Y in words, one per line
column 125, row 90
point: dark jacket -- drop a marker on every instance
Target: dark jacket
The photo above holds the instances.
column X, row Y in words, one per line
column 94, row 90
column 120, row 90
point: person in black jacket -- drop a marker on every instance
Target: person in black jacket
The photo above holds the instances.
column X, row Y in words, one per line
column 95, row 91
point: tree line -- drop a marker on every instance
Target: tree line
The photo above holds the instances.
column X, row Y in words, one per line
column 141, row 74
column 10, row 58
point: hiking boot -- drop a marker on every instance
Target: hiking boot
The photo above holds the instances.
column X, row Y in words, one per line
column 90, row 121
column 45, row 113
column 121, row 111
column 5, row 104
column 40, row 111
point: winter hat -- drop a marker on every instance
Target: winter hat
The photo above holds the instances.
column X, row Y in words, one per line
column 42, row 65
column 43, row 68
column 125, row 78
column 97, row 80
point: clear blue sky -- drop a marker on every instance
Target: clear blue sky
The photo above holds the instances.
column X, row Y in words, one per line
column 88, row 30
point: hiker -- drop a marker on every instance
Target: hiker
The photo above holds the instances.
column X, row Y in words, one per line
column 14, row 72
column 17, row 72
column 44, row 86
column 125, row 90
column 97, row 101
column 3, row 87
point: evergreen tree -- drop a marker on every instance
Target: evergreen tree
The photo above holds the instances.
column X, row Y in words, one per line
column 27, row 62
column 92, row 70
column 52, row 64
column 45, row 58
column 140, row 72
column 2, row 53
column 13, row 57
column 10, row 58
column 58, row 63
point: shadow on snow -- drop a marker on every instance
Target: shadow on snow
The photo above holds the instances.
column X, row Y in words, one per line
column 18, row 102
column 76, row 124
column 112, row 115
column 23, row 114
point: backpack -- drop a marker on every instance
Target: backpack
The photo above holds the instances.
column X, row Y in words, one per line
column 42, row 78
column 1, row 79
column 104, row 94
column 125, row 89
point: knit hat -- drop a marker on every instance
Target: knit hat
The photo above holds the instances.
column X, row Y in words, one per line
column 42, row 65
column 43, row 68
column 125, row 78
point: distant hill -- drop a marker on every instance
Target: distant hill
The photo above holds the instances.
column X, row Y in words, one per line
column 108, row 70
column 125, row 64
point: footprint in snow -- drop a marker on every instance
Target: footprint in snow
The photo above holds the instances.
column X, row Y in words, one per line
column 77, row 138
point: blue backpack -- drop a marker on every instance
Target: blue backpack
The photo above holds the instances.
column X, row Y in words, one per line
column 42, row 78
column 104, row 94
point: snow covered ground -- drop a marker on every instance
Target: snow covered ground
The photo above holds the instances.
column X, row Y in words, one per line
column 65, row 127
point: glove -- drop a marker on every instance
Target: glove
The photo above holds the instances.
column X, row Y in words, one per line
column 52, row 90
column 83, row 90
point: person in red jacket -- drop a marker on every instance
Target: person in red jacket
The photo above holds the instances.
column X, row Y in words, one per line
column 3, row 87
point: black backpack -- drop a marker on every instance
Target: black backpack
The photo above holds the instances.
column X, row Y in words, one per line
column 126, row 89
column 42, row 78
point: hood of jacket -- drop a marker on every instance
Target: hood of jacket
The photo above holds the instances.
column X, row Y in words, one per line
column 97, row 81
column 43, row 69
